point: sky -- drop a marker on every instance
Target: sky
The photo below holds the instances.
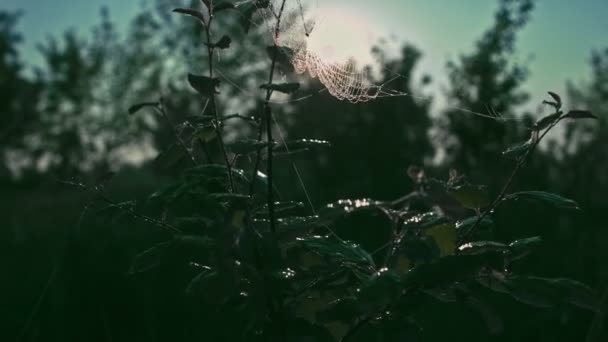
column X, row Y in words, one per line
column 557, row 43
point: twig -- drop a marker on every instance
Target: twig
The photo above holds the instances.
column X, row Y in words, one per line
column 268, row 118
column 217, row 124
column 521, row 161
column 133, row 213
column 162, row 110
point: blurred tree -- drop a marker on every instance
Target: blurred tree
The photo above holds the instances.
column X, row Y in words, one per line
column 19, row 96
column 486, row 81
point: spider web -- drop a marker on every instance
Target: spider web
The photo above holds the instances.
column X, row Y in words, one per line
column 343, row 79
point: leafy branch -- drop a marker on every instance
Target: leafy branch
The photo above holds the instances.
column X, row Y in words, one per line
column 523, row 152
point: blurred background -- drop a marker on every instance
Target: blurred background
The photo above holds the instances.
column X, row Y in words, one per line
column 69, row 70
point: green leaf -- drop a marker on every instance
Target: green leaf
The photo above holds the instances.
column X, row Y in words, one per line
column 419, row 249
column 425, row 220
column 208, row 4
column 471, row 196
column 482, row 247
column 547, row 121
column 546, row 293
column 338, row 251
column 467, row 224
column 193, row 13
column 205, row 132
column 382, row 289
column 301, row 145
column 348, row 206
column 137, row 107
column 216, row 172
column 204, row 85
column 556, row 98
column 543, row 197
column 445, row 237
column 520, row 248
column 518, row 150
column 580, row 114
column 285, row 88
column 223, row 43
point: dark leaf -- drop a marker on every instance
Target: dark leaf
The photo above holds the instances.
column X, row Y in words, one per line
column 284, row 56
column 547, row 121
column 580, row 114
column 285, row 88
column 518, row 150
column 248, row 9
column 338, row 251
column 215, row 172
column 546, row 293
column 137, row 107
column 425, row 220
column 228, row 197
column 206, row 86
column 471, row 196
column 544, row 197
column 482, row 247
column 556, row 98
column 208, row 4
column 301, row 145
column 466, row 225
column 223, row 43
column 193, row 13
column 520, row 248
column 348, row 206
column 205, row 132
column 382, row 289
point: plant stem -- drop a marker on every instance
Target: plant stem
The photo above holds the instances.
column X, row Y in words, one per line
column 217, row 124
column 268, row 118
column 521, row 161
column 161, row 109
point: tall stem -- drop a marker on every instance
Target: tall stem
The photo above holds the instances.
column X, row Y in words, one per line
column 268, row 117
column 218, row 123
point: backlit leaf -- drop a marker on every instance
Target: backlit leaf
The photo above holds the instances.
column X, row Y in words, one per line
column 204, row 85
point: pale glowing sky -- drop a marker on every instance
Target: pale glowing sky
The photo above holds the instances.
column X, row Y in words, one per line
column 559, row 38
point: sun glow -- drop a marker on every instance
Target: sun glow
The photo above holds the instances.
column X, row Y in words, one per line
column 340, row 35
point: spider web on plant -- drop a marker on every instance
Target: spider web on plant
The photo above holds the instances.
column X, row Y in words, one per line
column 344, row 79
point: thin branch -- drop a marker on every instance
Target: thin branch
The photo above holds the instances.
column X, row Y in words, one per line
column 133, row 213
column 521, row 161
column 217, row 124
column 162, row 110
